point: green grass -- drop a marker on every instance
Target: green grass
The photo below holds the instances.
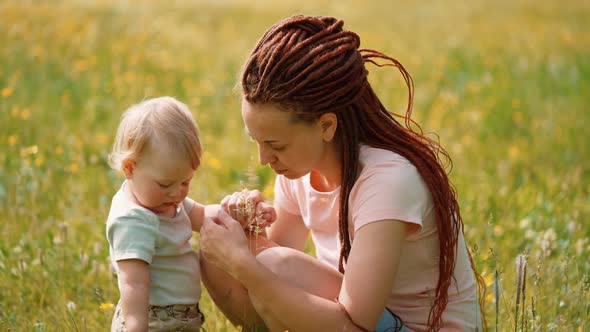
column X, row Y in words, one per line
column 505, row 85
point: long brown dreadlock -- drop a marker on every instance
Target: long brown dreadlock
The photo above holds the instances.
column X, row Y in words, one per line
column 310, row 65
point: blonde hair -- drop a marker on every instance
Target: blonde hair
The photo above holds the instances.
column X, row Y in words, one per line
column 158, row 120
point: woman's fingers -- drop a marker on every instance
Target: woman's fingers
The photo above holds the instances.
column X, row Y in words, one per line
column 255, row 196
column 224, row 202
column 231, row 204
column 208, row 234
column 243, row 206
column 226, row 220
column 223, row 242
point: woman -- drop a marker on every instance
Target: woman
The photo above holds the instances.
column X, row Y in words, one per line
column 374, row 194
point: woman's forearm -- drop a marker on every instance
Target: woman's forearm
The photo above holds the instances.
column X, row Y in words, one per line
column 295, row 308
column 281, row 295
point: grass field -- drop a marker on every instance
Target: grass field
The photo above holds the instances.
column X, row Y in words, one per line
column 505, row 85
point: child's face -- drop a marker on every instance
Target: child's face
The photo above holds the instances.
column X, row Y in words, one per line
column 159, row 182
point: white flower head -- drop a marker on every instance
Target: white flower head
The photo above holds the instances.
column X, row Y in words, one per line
column 71, row 305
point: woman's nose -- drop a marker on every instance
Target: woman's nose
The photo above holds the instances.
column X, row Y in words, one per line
column 265, row 156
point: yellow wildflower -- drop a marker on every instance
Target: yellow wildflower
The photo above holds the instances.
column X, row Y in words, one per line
column 498, row 230
column 7, row 91
column 12, row 139
column 195, row 102
column 39, row 161
column 513, row 152
column 213, row 162
column 80, row 66
column 33, row 149
column 102, row 138
column 73, row 168
column 106, row 306
column 25, row 114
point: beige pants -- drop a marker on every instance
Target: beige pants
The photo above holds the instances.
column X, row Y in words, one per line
column 179, row 317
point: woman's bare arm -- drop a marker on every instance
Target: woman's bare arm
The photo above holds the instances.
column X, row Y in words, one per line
column 288, row 230
column 367, row 282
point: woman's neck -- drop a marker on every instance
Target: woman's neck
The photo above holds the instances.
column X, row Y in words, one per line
column 328, row 176
column 322, row 183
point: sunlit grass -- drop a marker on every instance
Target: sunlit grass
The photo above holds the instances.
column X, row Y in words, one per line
column 505, row 85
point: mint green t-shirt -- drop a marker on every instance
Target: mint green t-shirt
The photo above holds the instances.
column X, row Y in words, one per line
column 134, row 232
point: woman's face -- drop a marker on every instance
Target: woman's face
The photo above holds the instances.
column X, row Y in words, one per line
column 291, row 148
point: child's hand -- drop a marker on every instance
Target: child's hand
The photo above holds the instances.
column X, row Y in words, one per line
column 248, row 207
column 267, row 213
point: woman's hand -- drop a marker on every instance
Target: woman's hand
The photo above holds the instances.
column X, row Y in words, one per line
column 223, row 243
column 247, row 207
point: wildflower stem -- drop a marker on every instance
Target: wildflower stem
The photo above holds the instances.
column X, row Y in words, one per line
column 520, row 289
column 523, row 295
column 533, row 313
column 497, row 296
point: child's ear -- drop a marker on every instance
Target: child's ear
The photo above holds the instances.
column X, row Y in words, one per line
column 328, row 123
column 128, row 166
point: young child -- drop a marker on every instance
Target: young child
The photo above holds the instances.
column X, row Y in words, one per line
column 151, row 219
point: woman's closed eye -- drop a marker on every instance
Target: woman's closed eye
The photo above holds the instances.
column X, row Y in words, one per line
column 278, row 148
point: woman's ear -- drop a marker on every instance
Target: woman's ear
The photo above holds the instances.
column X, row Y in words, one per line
column 328, row 122
column 128, row 166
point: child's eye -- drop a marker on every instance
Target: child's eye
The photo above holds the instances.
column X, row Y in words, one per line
column 278, row 148
column 163, row 186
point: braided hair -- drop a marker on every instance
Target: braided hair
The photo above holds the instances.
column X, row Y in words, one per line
column 312, row 66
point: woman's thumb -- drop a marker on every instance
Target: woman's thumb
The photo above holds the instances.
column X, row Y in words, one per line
column 225, row 219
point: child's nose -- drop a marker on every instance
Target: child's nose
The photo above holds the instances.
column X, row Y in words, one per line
column 175, row 191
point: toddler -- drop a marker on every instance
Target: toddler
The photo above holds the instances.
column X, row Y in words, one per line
column 151, row 219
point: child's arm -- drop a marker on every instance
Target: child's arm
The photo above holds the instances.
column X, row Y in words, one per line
column 134, row 284
column 198, row 213
column 211, row 210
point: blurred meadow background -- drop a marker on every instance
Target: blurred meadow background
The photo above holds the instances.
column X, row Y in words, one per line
column 504, row 84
